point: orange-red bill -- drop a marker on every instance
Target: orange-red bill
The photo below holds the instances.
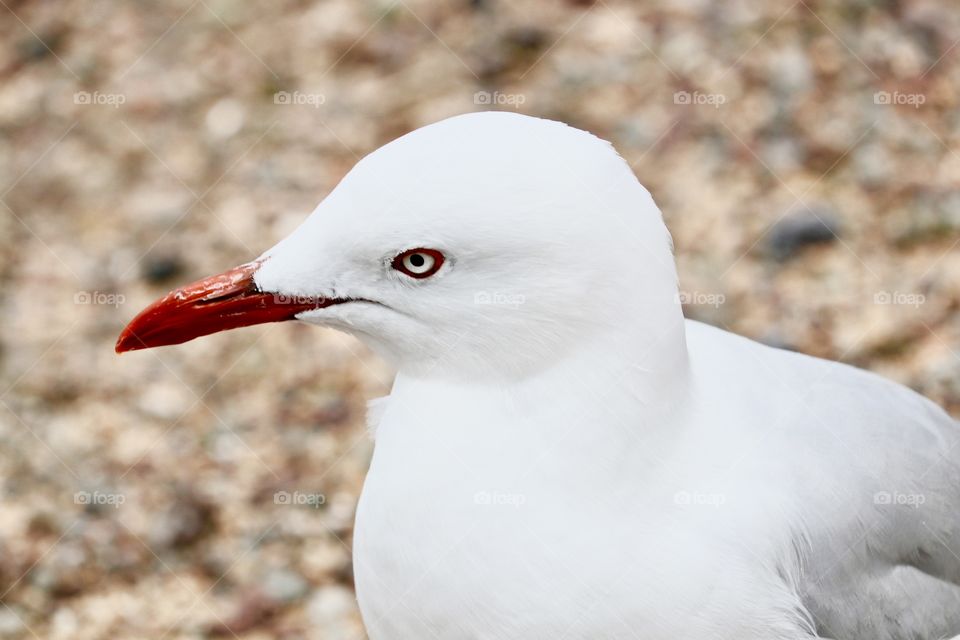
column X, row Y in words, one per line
column 224, row 301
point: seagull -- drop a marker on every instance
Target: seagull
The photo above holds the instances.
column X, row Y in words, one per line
column 562, row 453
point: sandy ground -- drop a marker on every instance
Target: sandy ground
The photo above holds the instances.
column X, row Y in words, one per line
column 804, row 154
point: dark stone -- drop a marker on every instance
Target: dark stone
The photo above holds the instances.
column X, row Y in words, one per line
column 185, row 522
column 34, row 48
column 801, row 229
column 160, row 269
column 526, row 38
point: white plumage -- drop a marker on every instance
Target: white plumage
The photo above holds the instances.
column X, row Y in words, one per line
column 564, row 456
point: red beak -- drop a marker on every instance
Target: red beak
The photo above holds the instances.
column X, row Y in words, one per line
column 225, row 301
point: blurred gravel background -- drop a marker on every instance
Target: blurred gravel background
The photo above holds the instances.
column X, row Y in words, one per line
column 804, row 153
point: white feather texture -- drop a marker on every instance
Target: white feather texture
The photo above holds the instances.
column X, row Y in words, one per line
column 564, row 456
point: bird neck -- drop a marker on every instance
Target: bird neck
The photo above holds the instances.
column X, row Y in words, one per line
column 648, row 372
column 619, row 398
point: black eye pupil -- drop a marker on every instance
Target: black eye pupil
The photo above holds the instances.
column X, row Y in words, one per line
column 417, row 260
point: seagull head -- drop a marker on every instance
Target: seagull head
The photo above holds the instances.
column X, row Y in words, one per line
column 488, row 244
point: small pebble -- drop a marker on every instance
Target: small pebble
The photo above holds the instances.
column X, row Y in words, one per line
column 800, row 229
column 284, row 586
column 161, row 269
column 182, row 524
column 11, row 623
column 330, row 605
column 225, row 118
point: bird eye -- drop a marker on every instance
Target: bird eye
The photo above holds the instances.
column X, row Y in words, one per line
column 418, row 263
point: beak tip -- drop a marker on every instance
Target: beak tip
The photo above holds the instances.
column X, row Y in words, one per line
column 124, row 343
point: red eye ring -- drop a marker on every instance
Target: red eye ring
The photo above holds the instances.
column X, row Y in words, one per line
column 418, row 263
